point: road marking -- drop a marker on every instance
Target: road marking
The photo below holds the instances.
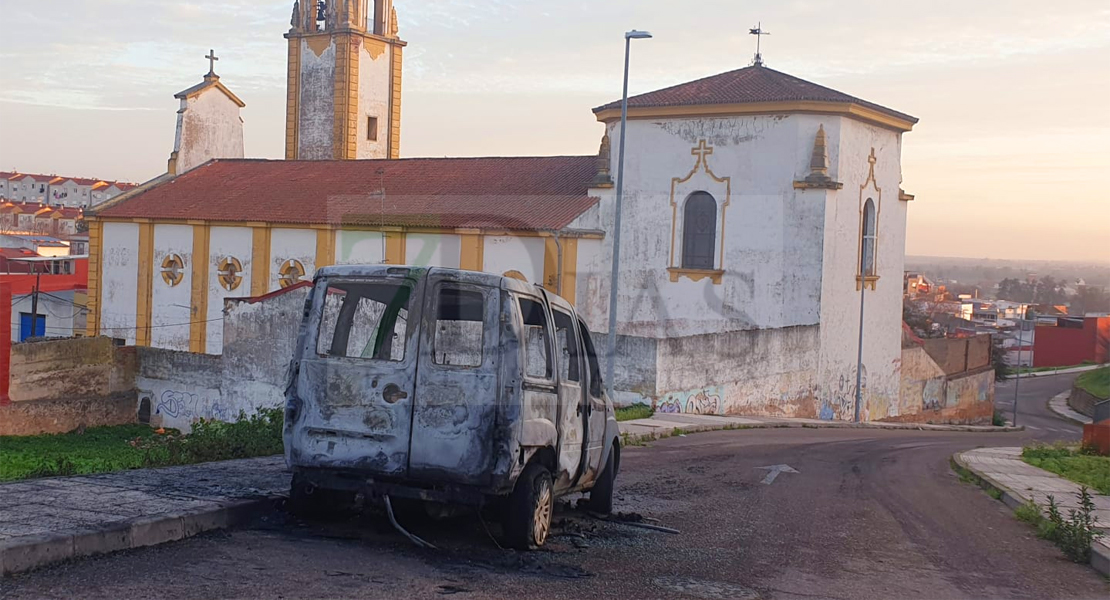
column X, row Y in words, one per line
column 1033, row 427
column 774, row 472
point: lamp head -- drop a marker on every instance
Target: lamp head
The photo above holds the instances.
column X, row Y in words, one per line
column 637, row 35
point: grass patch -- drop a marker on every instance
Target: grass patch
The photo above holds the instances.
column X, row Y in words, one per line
column 1070, row 463
column 118, row 448
column 1096, row 383
column 636, row 411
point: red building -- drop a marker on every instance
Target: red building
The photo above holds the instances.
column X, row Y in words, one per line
column 1072, row 341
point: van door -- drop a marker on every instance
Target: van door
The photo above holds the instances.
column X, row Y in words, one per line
column 456, row 392
column 572, row 407
column 357, row 386
column 595, row 408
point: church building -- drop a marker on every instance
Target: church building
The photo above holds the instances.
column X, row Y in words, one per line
column 759, row 211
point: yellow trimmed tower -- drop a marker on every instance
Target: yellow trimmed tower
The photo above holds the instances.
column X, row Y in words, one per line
column 344, row 85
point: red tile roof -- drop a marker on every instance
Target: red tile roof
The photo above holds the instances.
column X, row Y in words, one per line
column 528, row 193
column 745, row 86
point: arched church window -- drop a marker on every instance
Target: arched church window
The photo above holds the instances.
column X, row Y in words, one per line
column 867, row 256
column 699, row 231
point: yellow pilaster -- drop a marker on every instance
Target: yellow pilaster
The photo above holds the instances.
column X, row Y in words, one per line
column 395, row 101
column 325, row 247
column 198, row 327
column 570, row 269
column 472, row 256
column 394, row 247
column 260, row 260
column 345, row 131
column 293, row 99
column 145, row 289
column 92, row 321
column 550, row 265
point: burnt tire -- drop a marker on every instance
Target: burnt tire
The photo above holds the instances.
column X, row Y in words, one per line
column 527, row 522
column 601, row 495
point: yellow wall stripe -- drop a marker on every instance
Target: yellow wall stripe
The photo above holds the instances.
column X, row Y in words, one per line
column 325, row 248
column 394, row 248
column 92, row 321
column 145, row 284
column 198, row 328
column 293, row 100
column 260, row 261
column 472, row 258
column 570, row 269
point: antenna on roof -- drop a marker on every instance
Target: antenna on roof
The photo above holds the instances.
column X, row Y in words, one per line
column 758, row 32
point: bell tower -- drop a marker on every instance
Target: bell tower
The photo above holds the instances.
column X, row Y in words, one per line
column 344, row 81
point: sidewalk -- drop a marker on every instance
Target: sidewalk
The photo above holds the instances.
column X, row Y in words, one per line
column 1021, row 483
column 1051, row 372
column 1059, row 405
column 663, row 425
column 43, row 521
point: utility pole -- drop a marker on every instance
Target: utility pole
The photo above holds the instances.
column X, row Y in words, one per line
column 35, row 305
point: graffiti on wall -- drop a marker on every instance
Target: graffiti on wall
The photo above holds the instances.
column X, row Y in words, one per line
column 842, row 397
column 179, row 404
column 704, row 401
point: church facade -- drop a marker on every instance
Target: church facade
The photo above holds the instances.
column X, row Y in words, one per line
column 759, row 211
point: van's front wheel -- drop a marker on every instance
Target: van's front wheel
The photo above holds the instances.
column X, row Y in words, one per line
column 531, row 506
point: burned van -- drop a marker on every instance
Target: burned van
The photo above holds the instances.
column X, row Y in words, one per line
column 449, row 387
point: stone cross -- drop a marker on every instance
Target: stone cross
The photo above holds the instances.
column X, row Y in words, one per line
column 702, row 151
column 212, row 58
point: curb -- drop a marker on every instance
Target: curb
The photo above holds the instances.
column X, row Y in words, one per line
column 700, row 428
column 29, row 552
column 1100, row 555
column 1065, row 371
column 1064, row 415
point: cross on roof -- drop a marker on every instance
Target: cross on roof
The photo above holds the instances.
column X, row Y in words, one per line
column 212, row 58
column 758, row 32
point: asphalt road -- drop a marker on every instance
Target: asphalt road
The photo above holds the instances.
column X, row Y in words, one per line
column 870, row 514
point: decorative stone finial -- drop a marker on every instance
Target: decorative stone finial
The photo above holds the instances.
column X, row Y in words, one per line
column 603, row 178
column 818, row 177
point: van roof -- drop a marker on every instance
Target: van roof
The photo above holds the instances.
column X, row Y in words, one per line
column 476, row 277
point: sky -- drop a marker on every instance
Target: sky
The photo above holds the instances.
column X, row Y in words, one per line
column 1011, row 158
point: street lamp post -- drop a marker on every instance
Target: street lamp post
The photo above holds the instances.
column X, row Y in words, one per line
column 612, row 345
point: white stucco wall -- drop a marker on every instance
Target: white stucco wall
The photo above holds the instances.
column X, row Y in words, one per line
column 171, row 306
column 208, row 126
column 511, row 253
column 373, row 98
column 433, row 250
column 353, row 247
column 57, row 308
column 317, row 103
column 840, row 300
column 291, row 244
column 225, row 242
column 119, row 280
column 771, row 242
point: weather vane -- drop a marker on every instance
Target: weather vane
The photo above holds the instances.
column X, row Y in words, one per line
column 758, row 32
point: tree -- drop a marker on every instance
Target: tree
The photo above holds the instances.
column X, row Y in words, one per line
column 998, row 359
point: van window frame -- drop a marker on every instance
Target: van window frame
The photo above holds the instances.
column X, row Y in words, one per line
column 462, row 287
column 592, row 361
column 572, row 340
column 320, row 295
column 553, row 368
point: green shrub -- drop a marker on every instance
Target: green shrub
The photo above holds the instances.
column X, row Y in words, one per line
column 1075, row 533
column 1071, row 463
column 636, row 411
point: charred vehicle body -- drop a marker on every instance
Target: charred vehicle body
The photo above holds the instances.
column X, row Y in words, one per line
column 449, row 387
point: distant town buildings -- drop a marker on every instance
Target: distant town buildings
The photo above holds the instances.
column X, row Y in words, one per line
column 54, row 190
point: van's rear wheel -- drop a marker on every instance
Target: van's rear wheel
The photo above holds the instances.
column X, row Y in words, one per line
column 601, row 495
column 531, row 506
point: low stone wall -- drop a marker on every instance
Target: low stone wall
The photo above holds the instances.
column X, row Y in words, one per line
column 1083, row 402
column 931, row 395
column 72, row 368
column 33, row 417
